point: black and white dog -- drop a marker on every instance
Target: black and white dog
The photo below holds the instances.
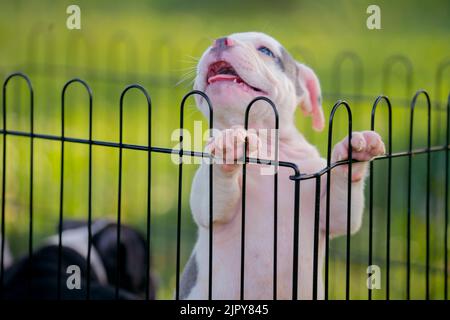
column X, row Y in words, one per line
column 36, row 278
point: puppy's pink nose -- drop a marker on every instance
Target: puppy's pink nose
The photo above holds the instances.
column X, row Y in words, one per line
column 222, row 43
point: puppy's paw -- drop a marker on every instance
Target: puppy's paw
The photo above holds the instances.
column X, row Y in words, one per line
column 228, row 147
column 365, row 146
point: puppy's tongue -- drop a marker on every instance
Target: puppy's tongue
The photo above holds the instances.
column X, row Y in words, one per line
column 223, row 77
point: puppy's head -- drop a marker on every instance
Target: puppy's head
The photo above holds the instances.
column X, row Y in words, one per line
column 239, row 67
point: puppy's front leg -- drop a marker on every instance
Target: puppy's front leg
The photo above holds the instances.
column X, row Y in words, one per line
column 227, row 148
column 365, row 146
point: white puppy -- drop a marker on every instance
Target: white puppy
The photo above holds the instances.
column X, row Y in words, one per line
column 232, row 72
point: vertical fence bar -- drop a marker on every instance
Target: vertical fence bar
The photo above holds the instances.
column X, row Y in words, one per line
column 179, row 207
column 149, row 186
column 349, row 186
column 61, row 208
column 244, row 183
column 447, row 142
column 211, row 213
column 297, row 178
column 180, row 181
column 30, row 205
column 296, row 238
column 388, row 198
column 408, row 234
column 427, row 212
column 88, row 275
column 275, row 212
column 2, row 233
column 61, row 197
column 316, row 237
column 349, row 207
column 3, row 220
column 119, row 199
column 408, row 223
column 369, row 296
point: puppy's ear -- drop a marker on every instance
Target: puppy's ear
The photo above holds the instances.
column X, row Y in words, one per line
column 311, row 97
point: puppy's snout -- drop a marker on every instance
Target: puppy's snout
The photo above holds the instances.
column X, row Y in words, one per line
column 222, row 43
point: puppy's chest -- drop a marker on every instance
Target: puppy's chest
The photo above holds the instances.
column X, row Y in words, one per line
column 262, row 184
column 262, row 198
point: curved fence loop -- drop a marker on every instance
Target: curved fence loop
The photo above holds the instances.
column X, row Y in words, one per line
column 204, row 96
column 335, row 108
column 183, row 102
column 63, row 101
column 69, row 83
column 412, row 108
column 3, row 203
column 141, row 89
column 358, row 71
column 30, row 90
column 261, row 98
column 377, row 102
column 180, row 177
column 388, row 65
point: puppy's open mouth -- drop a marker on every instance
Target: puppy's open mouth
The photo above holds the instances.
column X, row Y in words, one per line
column 223, row 71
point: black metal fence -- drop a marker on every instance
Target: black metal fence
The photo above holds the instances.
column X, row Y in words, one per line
column 297, row 177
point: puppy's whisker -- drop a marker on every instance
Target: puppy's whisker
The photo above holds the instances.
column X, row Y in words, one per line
column 184, row 79
column 190, row 69
column 191, row 64
column 193, row 58
column 189, row 72
column 185, row 72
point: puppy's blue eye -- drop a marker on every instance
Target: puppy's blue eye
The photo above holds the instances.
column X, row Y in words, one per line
column 266, row 51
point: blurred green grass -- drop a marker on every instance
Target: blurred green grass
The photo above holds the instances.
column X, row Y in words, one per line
column 155, row 43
